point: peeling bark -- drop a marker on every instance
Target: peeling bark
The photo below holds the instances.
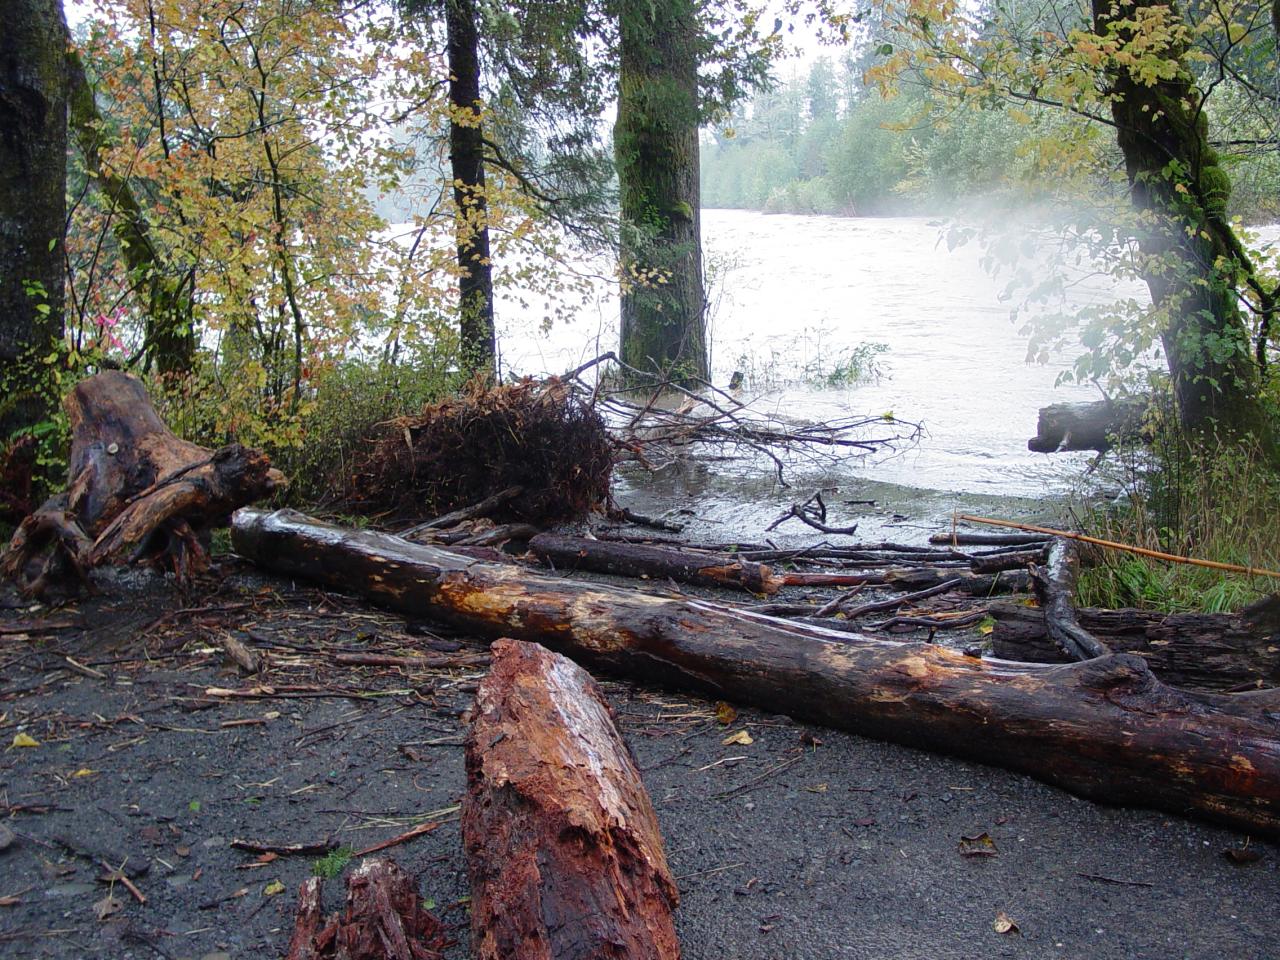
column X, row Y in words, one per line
column 563, row 847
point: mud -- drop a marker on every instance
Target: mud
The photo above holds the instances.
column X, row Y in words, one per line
column 805, row 843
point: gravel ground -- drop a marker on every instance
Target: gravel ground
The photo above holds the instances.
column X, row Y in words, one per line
column 805, row 843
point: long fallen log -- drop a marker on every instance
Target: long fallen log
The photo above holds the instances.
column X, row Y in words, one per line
column 643, row 560
column 1106, row 729
column 1207, row 651
column 563, row 847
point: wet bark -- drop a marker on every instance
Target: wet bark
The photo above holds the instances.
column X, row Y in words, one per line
column 563, row 847
column 1105, row 729
column 1208, row 651
column 663, row 329
column 383, row 920
column 33, row 150
column 643, row 560
column 1056, row 587
column 466, row 154
column 134, row 491
column 1063, row 427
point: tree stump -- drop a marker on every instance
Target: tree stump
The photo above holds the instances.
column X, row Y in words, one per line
column 562, row 843
column 384, row 919
column 135, row 491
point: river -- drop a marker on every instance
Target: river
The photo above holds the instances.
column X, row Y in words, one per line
column 791, row 292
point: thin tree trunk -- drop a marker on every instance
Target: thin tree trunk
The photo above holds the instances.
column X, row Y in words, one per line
column 33, row 178
column 656, row 148
column 1105, row 728
column 466, row 143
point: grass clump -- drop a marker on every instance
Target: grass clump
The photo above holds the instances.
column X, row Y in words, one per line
column 332, row 863
column 1212, row 500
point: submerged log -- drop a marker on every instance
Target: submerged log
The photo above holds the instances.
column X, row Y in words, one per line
column 1096, row 426
column 1106, row 729
column 644, row 560
column 563, row 847
column 384, row 919
column 1210, row 651
column 134, row 491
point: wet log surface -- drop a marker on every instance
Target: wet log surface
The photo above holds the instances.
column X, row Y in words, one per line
column 1106, row 729
column 655, row 562
column 383, row 920
column 134, row 491
column 1056, row 586
column 1210, row 651
column 1063, row 427
column 563, row 848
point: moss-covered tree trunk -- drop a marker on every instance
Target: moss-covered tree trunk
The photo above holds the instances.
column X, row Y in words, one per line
column 168, row 292
column 656, row 146
column 1194, row 263
column 33, row 155
column 466, row 143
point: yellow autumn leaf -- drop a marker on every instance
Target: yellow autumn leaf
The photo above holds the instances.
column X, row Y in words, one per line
column 741, row 738
column 25, row 740
column 273, row 888
column 84, row 772
column 725, row 713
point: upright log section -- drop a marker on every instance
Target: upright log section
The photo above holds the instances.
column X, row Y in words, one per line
column 562, row 843
column 1106, row 728
column 134, row 490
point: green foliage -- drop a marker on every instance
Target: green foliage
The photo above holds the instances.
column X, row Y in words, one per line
column 1210, row 501
column 332, row 863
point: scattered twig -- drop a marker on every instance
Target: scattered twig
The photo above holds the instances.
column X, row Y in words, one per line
column 418, row 831
column 317, row 849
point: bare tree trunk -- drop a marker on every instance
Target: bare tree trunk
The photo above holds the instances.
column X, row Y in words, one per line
column 656, row 148
column 33, row 179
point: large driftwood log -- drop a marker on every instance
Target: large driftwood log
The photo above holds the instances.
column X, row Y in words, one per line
column 1209, row 651
column 643, row 560
column 1105, row 729
column 134, row 490
column 1088, row 426
column 384, row 919
column 562, row 844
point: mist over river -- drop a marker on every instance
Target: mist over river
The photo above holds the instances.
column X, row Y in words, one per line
column 791, row 292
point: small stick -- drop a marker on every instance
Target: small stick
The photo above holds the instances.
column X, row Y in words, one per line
column 80, row 668
column 1126, row 547
column 417, row 831
column 119, row 874
column 287, row 849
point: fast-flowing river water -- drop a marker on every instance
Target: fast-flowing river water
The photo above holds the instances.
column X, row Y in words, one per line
column 796, row 293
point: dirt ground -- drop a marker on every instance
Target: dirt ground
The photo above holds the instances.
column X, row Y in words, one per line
column 152, row 753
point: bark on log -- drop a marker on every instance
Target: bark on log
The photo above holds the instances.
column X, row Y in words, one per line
column 1105, row 729
column 644, row 560
column 1056, row 586
column 134, row 490
column 563, row 847
column 383, row 920
column 1206, row 651
column 1088, row 426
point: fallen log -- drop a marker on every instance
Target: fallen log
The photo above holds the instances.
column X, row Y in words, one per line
column 383, row 920
column 1063, row 427
column 1056, row 586
column 1208, row 651
column 563, row 847
column 134, row 491
column 974, row 538
column 643, row 560
column 1106, row 729
column 917, row 578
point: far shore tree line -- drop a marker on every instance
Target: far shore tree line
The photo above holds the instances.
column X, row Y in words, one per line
column 186, row 185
